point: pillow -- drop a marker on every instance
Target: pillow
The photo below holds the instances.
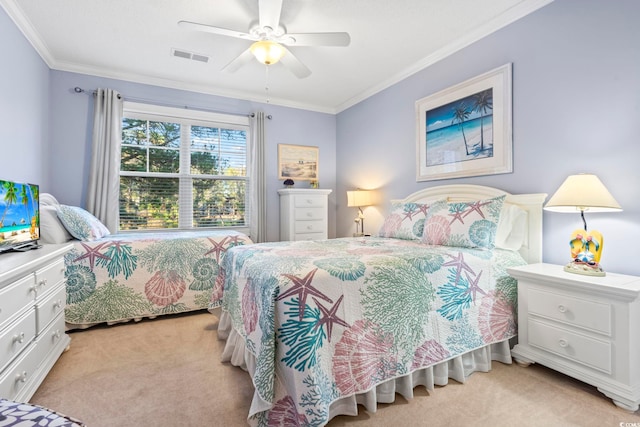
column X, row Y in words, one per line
column 47, row 199
column 406, row 221
column 51, row 229
column 81, row 224
column 512, row 227
column 463, row 224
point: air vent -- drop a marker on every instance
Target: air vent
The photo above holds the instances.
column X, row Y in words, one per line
column 189, row 55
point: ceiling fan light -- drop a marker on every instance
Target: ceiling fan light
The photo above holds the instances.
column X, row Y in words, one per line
column 267, row 52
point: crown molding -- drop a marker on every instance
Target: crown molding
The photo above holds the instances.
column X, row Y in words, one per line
column 501, row 21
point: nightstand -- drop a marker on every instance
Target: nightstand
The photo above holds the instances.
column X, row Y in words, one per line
column 583, row 326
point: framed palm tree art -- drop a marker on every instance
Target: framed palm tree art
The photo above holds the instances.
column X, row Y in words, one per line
column 465, row 130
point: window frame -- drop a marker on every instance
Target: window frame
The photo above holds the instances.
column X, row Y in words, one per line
column 189, row 117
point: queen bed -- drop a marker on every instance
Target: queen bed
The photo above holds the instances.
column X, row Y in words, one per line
column 323, row 326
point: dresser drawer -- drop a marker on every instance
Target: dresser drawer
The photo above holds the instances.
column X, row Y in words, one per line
column 309, row 201
column 50, row 307
column 14, row 297
column 309, row 227
column 309, row 214
column 583, row 313
column 573, row 346
column 310, row 236
column 16, row 337
column 49, row 276
column 17, row 375
column 52, row 337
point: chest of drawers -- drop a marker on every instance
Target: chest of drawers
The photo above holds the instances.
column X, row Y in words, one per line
column 583, row 326
column 303, row 214
column 32, row 302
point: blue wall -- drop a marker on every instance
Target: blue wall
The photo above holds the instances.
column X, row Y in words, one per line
column 24, row 108
column 576, row 108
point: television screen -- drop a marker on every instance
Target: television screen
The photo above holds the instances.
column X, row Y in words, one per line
column 19, row 216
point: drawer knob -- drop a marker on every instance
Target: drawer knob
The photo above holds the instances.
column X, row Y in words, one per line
column 309, row 227
column 562, row 308
column 57, row 304
column 18, row 338
column 563, row 343
column 309, row 201
column 56, row 334
column 309, row 214
column 21, row 377
column 43, row 282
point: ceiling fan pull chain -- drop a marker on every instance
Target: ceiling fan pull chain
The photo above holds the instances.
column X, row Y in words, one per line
column 266, row 81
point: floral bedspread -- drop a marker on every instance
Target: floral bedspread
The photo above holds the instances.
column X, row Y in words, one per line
column 132, row 276
column 328, row 319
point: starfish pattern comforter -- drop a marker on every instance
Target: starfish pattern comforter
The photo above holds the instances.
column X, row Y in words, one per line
column 332, row 318
column 129, row 276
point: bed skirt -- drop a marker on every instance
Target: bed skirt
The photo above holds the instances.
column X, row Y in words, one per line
column 458, row 368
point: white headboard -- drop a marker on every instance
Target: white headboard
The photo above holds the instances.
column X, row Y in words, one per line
column 531, row 250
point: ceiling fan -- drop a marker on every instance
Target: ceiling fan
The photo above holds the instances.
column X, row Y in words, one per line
column 270, row 39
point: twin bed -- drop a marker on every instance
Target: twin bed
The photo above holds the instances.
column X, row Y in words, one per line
column 132, row 276
column 323, row 326
column 114, row 278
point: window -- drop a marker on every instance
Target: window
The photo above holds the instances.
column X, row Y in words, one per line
column 182, row 169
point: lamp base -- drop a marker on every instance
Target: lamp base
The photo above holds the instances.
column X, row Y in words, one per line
column 578, row 267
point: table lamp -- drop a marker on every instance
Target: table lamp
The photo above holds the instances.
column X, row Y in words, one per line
column 359, row 198
column 584, row 193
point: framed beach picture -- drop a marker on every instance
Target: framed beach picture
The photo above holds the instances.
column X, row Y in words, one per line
column 298, row 162
column 465, row 130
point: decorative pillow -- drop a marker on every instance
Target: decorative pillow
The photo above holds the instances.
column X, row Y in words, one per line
column 51, row 229
column 406, row 221
column 463, row 224
column 81, row 224
column 512, row 227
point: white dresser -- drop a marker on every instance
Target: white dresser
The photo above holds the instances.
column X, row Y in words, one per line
column 583, row 326
column 304, row 214
column 32, row 301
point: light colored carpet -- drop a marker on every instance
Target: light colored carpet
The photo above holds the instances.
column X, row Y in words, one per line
column 167, row 372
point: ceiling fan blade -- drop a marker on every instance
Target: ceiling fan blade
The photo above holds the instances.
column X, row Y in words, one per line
column 215, row 30
column 244, row 58
column 294, row 65
column 316, row 39
column 270, row 11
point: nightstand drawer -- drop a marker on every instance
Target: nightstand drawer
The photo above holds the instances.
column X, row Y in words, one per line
column 587, row 314
column 307, row 214
column 575, row 347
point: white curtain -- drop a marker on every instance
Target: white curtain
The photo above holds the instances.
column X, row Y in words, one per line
column 104, row 181
column 258, row 186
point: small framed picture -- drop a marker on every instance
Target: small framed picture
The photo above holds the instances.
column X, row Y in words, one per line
column 298, row 162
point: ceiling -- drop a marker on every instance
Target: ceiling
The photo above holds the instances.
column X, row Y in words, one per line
column 134, row 41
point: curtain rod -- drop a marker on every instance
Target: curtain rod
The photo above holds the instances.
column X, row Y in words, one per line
column 166, row 104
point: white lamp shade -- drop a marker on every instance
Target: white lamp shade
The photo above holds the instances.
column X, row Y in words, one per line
column 583, row 192
column 359, row 198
